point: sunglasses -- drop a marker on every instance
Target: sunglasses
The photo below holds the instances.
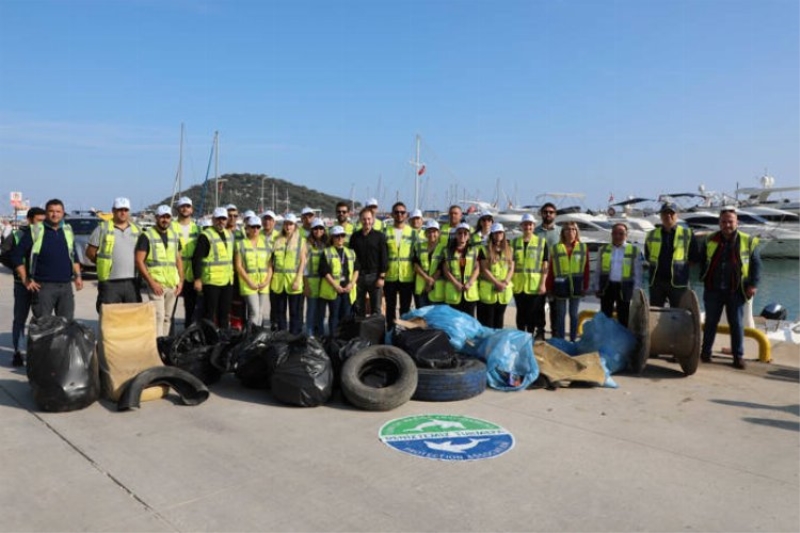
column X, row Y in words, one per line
column 254, row 227
column 340, row 236
column 341, row 212
column 164, row 216
column 399, row 212
column 318, row 229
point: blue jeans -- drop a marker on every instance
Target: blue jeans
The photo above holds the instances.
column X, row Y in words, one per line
column 561, row 315
column 315, row 317
column 338, row 309
column 733, row 302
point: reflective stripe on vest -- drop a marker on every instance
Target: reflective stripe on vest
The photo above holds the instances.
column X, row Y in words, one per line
column 326, row 290
column 399, row 261
column 451, row 296
column 680, row 255
column 568, row 270
column 486, row 289
column 218, row 264
column 255, row 259
column 528, row 264
column 162, row 261
column 313, row 256
column 429, row 262
column 747, row 246
column 37, row 235
column 627, row 269
column 187, row 246
column 105, row 249
column 284, row 265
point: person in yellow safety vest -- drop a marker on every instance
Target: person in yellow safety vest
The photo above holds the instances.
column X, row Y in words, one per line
column 339, row 270
column 531, row 262
column 315, row 308
column 495, row 286
column 22, row 296
column 233, row 222
column 568, row 278
column 617, row 274
column 268, row 219
column 670, row 250
column 212, row 264
column 112, row 247
column 188, row 232
column 416, row 222
column 447, row 230
column 159, row 262
column 45, row 262
column 399, row 285
column 427, row 261
column 730, row 271
column 377, row 224
column 288, row 265
column 482, row 229
column 461, row 270
column 254, row 270
column 343, row 220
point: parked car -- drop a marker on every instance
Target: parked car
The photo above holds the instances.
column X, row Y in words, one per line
column 82, row 228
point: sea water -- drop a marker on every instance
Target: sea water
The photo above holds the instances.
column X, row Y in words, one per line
column 780, row 283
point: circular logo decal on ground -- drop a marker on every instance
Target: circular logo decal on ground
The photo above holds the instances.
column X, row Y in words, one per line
column 447, row 437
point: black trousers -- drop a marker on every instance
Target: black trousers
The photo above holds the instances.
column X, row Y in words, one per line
column 391, row 291
column 662, row 292
column 217, row 301
column 530, row 312
column 612, row 298
column 118, row 291
column 491, row 315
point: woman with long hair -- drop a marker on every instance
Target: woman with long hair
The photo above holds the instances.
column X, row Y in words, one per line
column 427, row 259
column 494, row 285
column 288, row 264
column 253, row 266
column 315, row 309
column 338, row 269
column 568, row 278
column 461, row 272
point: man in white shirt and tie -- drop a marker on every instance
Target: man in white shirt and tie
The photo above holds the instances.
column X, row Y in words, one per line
column 618, row 274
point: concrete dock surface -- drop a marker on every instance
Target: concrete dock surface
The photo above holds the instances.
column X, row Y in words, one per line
column 717, row 451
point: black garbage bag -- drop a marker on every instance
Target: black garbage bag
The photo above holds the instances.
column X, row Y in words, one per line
column 304, row 377
column 372, row 327
column 428, row 347
column 339, row 351
column 62, row 364
column 255, row 358
column 191, row 350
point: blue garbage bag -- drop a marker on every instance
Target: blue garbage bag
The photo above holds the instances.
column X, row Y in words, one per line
column 508, row 354
column 614, row 341
column 460, row 327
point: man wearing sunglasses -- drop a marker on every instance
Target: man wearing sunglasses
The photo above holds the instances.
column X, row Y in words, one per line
column 343, row 220
column 551, row 233
column 400, row 240
column 112, row 248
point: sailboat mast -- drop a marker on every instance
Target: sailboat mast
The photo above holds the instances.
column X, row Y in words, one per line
column 416, row 177
column 178, row 187
column 216, row 169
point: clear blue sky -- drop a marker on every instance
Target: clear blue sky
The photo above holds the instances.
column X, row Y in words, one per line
column 595, row 96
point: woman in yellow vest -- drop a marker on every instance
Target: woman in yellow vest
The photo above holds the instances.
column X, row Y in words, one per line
column 254, row 269
column 338, row 269
column 531, row 261
column 482, row 229
column 461, row 272
column 427, row 260
column 288, row 264
column 568, row 278
column 315, row 308
column 494, row 285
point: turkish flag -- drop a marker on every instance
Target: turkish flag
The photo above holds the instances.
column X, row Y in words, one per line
column 421, row 170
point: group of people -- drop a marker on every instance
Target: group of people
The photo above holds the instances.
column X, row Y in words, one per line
column 371, row 266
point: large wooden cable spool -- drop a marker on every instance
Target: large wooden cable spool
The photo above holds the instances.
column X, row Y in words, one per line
column 666, row 331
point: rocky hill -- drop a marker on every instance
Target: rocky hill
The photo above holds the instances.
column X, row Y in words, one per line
column 244, row 191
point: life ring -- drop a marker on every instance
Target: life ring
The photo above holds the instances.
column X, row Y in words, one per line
column 611, row 211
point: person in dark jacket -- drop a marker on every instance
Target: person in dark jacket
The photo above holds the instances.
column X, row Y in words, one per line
column 372, row 254
column 731, row 269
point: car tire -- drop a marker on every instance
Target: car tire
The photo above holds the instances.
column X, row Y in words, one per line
column 466, row 380
column 398, row 376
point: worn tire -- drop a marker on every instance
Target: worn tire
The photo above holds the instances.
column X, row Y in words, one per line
column 390, row 361
column 466, row 380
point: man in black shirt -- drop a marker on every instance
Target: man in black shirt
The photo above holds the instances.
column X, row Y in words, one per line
column 372, row 253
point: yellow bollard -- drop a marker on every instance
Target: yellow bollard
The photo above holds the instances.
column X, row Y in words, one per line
column 764, row 347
